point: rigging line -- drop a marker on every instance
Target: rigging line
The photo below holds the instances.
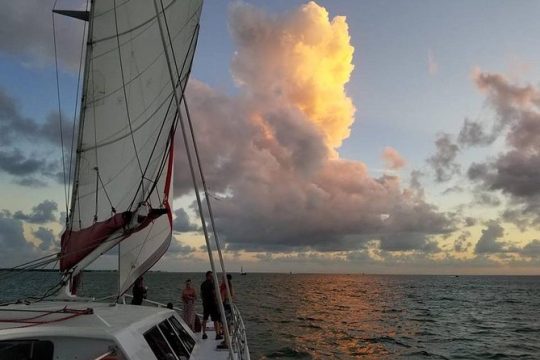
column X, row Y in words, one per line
column 182, row 89
column 97, row 194
column 197, row 195
column 124, row 88
column 81, row 57
column 208, row 205
column 150, row 158
column 29, row 266
column 106, row 193
column 194, row 37
column 95, row 140
column 196, row 151
column 59, row 109
column 35, row 260
column 18, row 272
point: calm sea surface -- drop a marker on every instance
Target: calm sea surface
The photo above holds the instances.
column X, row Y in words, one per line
column 360, row 316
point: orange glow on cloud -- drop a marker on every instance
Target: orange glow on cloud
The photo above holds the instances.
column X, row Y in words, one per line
column 307, row 62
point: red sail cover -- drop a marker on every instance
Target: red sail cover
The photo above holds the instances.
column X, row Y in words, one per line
column 77, row 244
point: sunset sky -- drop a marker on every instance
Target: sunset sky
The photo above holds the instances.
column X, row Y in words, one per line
column 336, row 136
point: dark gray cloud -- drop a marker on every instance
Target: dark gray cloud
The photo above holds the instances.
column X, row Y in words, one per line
column 14, row 127
column 489, row 242
column 181, row 222
column 532, row 249
column 486, row 199
column 443, row 161
column 462, row 243
column 473, row 134
column 32, row 41
column 30, row 181
column 41, row 213
column 517, row 217
column 514, row 172
column 415, row 184
column 407, row 242
column 15, row 247
column 49, row 241
column 18, row 132
column 179, row 249
column 16, row 163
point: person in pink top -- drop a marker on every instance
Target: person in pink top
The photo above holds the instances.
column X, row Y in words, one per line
column 189, row 295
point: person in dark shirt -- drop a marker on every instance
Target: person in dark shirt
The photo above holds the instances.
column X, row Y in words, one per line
column 138, row 291
column 210, row 306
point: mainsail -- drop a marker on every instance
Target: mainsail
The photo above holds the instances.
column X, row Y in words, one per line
column 123, row 171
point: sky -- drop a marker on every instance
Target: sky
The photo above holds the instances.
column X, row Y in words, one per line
column 336, row 136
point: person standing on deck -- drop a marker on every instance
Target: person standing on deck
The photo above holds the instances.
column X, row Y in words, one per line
column 210, row 305
column 189, row 295
column 138, row 291
column 226, row 305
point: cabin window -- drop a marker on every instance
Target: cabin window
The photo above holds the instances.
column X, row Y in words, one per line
column 187, row 340
column 26, row 349
column 174, row 341
column 159, row 345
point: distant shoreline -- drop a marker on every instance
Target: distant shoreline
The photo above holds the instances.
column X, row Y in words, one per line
column 282, row 273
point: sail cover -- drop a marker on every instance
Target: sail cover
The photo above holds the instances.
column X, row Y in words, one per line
column 124, row 154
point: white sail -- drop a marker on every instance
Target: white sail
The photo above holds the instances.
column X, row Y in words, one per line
column 126, row 128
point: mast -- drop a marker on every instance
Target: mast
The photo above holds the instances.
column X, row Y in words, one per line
column 86, row 71
column 86, row 15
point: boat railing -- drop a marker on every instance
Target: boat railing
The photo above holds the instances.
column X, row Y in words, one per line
column 238, row 329
column 238, row 335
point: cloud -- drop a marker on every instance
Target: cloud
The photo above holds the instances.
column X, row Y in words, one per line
column 514, row 171
column 462, row 243
column 472, row 133
column 443, row 161
column 486, row 199
column 271, row 151
column 488, row 242
column 41, row 213
column 18, row 132
column 32, row 41
column 179, row 249
column 49, row 241
column 15, row 247
column 302, row 57
column 433, row 66
column 532, row 249
column 392, row 159
column 407, row 242
column 15, row 163
column 181, row 222
column 14, row 127
column 31, row 181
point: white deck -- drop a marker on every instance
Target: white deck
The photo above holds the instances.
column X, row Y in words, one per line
column 109, row 325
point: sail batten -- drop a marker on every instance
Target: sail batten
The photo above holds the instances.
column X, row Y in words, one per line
column 128, row 118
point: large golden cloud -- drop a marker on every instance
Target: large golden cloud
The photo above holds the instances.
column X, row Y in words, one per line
column 302, row 58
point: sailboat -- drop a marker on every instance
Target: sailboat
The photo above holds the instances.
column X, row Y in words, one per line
column 242, row 271
column 138, row 60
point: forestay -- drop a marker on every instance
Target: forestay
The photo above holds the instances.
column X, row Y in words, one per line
column 123, row 173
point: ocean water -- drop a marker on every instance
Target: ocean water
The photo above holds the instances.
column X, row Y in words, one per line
column 314, row 316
